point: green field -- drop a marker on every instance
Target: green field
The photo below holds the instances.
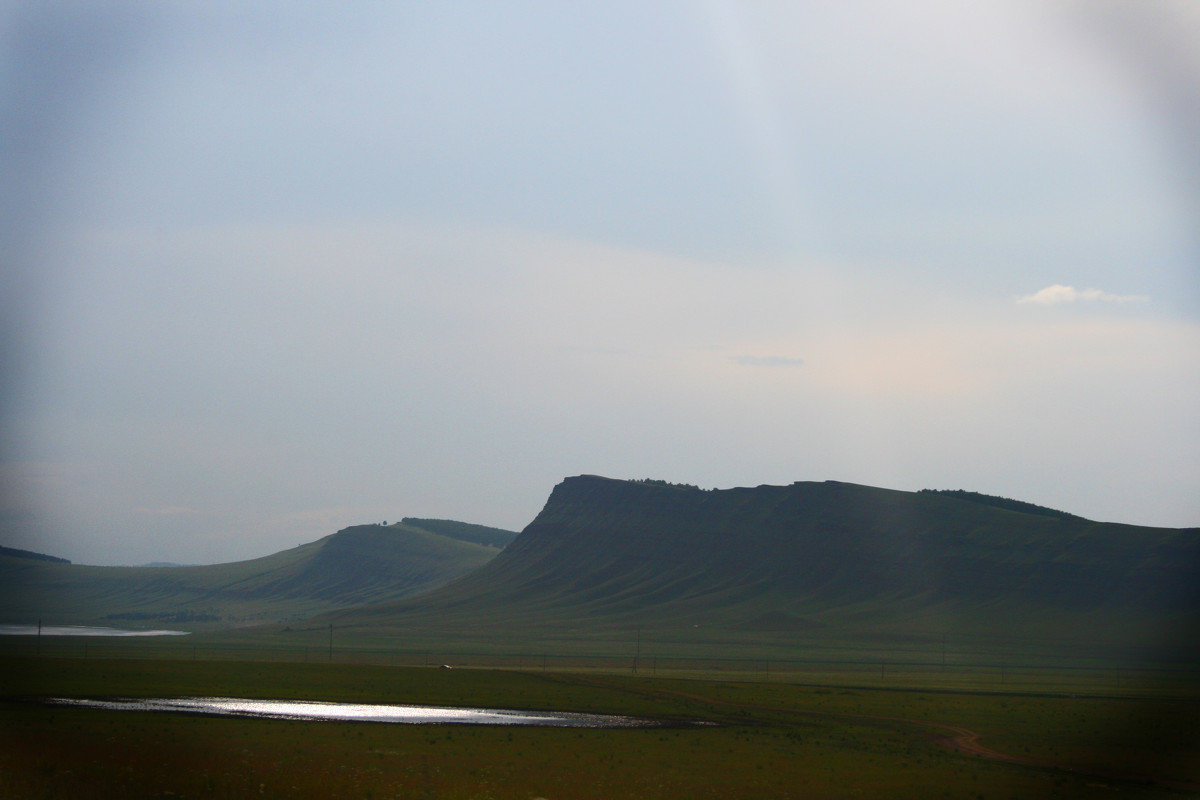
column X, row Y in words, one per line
column 828, row 736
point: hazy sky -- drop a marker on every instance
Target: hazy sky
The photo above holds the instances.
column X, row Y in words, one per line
column 272, row 271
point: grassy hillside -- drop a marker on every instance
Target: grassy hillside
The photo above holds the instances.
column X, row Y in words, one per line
column 355, row 566
column 464, row 531
column 810, row 562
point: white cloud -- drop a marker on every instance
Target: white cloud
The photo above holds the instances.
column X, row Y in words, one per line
column 1058, row 295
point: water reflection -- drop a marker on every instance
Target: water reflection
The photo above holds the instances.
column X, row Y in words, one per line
column 78, row 630
column 358, row 712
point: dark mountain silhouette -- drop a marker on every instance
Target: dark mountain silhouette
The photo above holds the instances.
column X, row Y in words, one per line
column 813, row 557
column 12, row 552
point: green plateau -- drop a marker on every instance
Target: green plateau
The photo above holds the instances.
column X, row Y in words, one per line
column 646, row 568
column 807, row 569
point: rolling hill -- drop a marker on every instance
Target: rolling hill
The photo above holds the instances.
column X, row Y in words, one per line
column 359, row 565
column 812, row 560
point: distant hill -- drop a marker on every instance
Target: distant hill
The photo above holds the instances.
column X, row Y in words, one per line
column 12, row 552
column 807, row 558
column 359, row 565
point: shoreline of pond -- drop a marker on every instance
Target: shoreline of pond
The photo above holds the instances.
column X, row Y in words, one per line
column 323, row 711
column 82, row 630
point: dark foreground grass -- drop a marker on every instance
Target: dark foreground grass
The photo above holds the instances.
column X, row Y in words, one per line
column 772, row 740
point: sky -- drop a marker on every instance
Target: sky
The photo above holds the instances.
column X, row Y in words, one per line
column 275, row 269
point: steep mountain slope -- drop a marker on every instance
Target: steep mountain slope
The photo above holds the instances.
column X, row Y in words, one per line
column 813, row 556
column 358, row 565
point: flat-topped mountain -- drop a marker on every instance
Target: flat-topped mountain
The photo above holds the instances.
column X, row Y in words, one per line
column 359, row 565
column 812, row 556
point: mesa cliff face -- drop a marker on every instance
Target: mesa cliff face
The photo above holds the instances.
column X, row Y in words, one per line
column 609, row 549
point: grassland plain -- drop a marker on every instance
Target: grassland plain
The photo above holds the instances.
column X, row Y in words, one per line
column 771, row 739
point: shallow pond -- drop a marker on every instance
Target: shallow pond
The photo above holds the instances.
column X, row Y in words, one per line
column 357, row 712
column 78, row 630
